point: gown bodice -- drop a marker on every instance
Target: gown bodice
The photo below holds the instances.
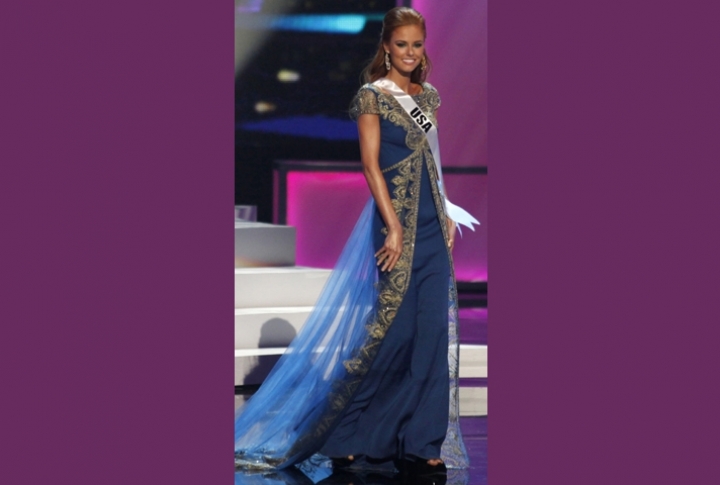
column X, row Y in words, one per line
column 399, row 135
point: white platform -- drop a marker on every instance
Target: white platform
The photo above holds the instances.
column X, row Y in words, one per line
column 257, row 328
column 473, row 401
column 251, row 363
column 473, row 360
column 260, row 245
column 278, row 287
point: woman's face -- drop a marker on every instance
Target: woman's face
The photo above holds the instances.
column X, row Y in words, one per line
column 406, row 48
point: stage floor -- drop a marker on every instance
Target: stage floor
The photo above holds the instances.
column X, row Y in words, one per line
column 474, row 431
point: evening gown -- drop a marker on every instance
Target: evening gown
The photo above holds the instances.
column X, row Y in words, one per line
column 395, row 394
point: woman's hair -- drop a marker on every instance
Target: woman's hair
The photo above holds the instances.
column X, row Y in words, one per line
column 397, row 17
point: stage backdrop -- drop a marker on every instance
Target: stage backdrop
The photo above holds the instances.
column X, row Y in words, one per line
column 457, row 45
column 332, row 201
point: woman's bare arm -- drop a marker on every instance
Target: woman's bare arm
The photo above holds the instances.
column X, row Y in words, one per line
column 369, row 131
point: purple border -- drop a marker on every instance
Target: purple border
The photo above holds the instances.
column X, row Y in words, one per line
column 117, row 200
column 603, row 127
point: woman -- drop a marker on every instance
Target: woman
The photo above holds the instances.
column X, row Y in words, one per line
column 370, row 373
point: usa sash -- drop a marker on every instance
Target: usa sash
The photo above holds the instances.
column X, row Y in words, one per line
column 456, row 213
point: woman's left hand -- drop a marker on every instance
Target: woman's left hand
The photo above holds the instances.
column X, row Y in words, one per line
column 451, row 233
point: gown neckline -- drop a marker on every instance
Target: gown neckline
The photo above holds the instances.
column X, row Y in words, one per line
column 411, row 95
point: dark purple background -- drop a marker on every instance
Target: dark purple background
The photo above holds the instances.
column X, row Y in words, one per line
column 603, row 322
column 117, row 257
column 116, row 199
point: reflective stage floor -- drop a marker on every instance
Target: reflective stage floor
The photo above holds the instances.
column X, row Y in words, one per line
column 474, row 431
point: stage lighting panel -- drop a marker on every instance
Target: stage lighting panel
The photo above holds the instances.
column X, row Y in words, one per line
column 308, row 68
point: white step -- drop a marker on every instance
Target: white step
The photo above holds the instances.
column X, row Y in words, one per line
column 252, row 368
column 257, row 328
column 278, row 287
column 258, row 244
column 473, row 360
column 253, row 364
column 473, row 401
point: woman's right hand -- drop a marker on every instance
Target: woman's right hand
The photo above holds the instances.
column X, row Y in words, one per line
column 389, row 254
column 369, row 133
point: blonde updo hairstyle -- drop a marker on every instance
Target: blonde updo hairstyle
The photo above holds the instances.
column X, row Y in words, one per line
column 397, row 17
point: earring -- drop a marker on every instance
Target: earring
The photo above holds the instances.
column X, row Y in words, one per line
column 423, row 64
column 387, row 60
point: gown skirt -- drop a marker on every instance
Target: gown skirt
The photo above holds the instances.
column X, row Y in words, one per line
column 401, row 408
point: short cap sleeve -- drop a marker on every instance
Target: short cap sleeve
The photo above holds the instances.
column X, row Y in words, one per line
column 432, row 97
column 364, row 102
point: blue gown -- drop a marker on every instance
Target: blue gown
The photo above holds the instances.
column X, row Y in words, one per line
column 401, row 409
column 374, row 370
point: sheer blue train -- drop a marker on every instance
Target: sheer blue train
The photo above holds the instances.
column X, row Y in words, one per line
column 282, row 423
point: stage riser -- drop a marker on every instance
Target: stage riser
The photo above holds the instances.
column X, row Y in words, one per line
column 252, row 370
column 278, row 287
column 473, row 401
column 268, row 327
column 251, row 367
column 473, row 360
column 261, row 245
